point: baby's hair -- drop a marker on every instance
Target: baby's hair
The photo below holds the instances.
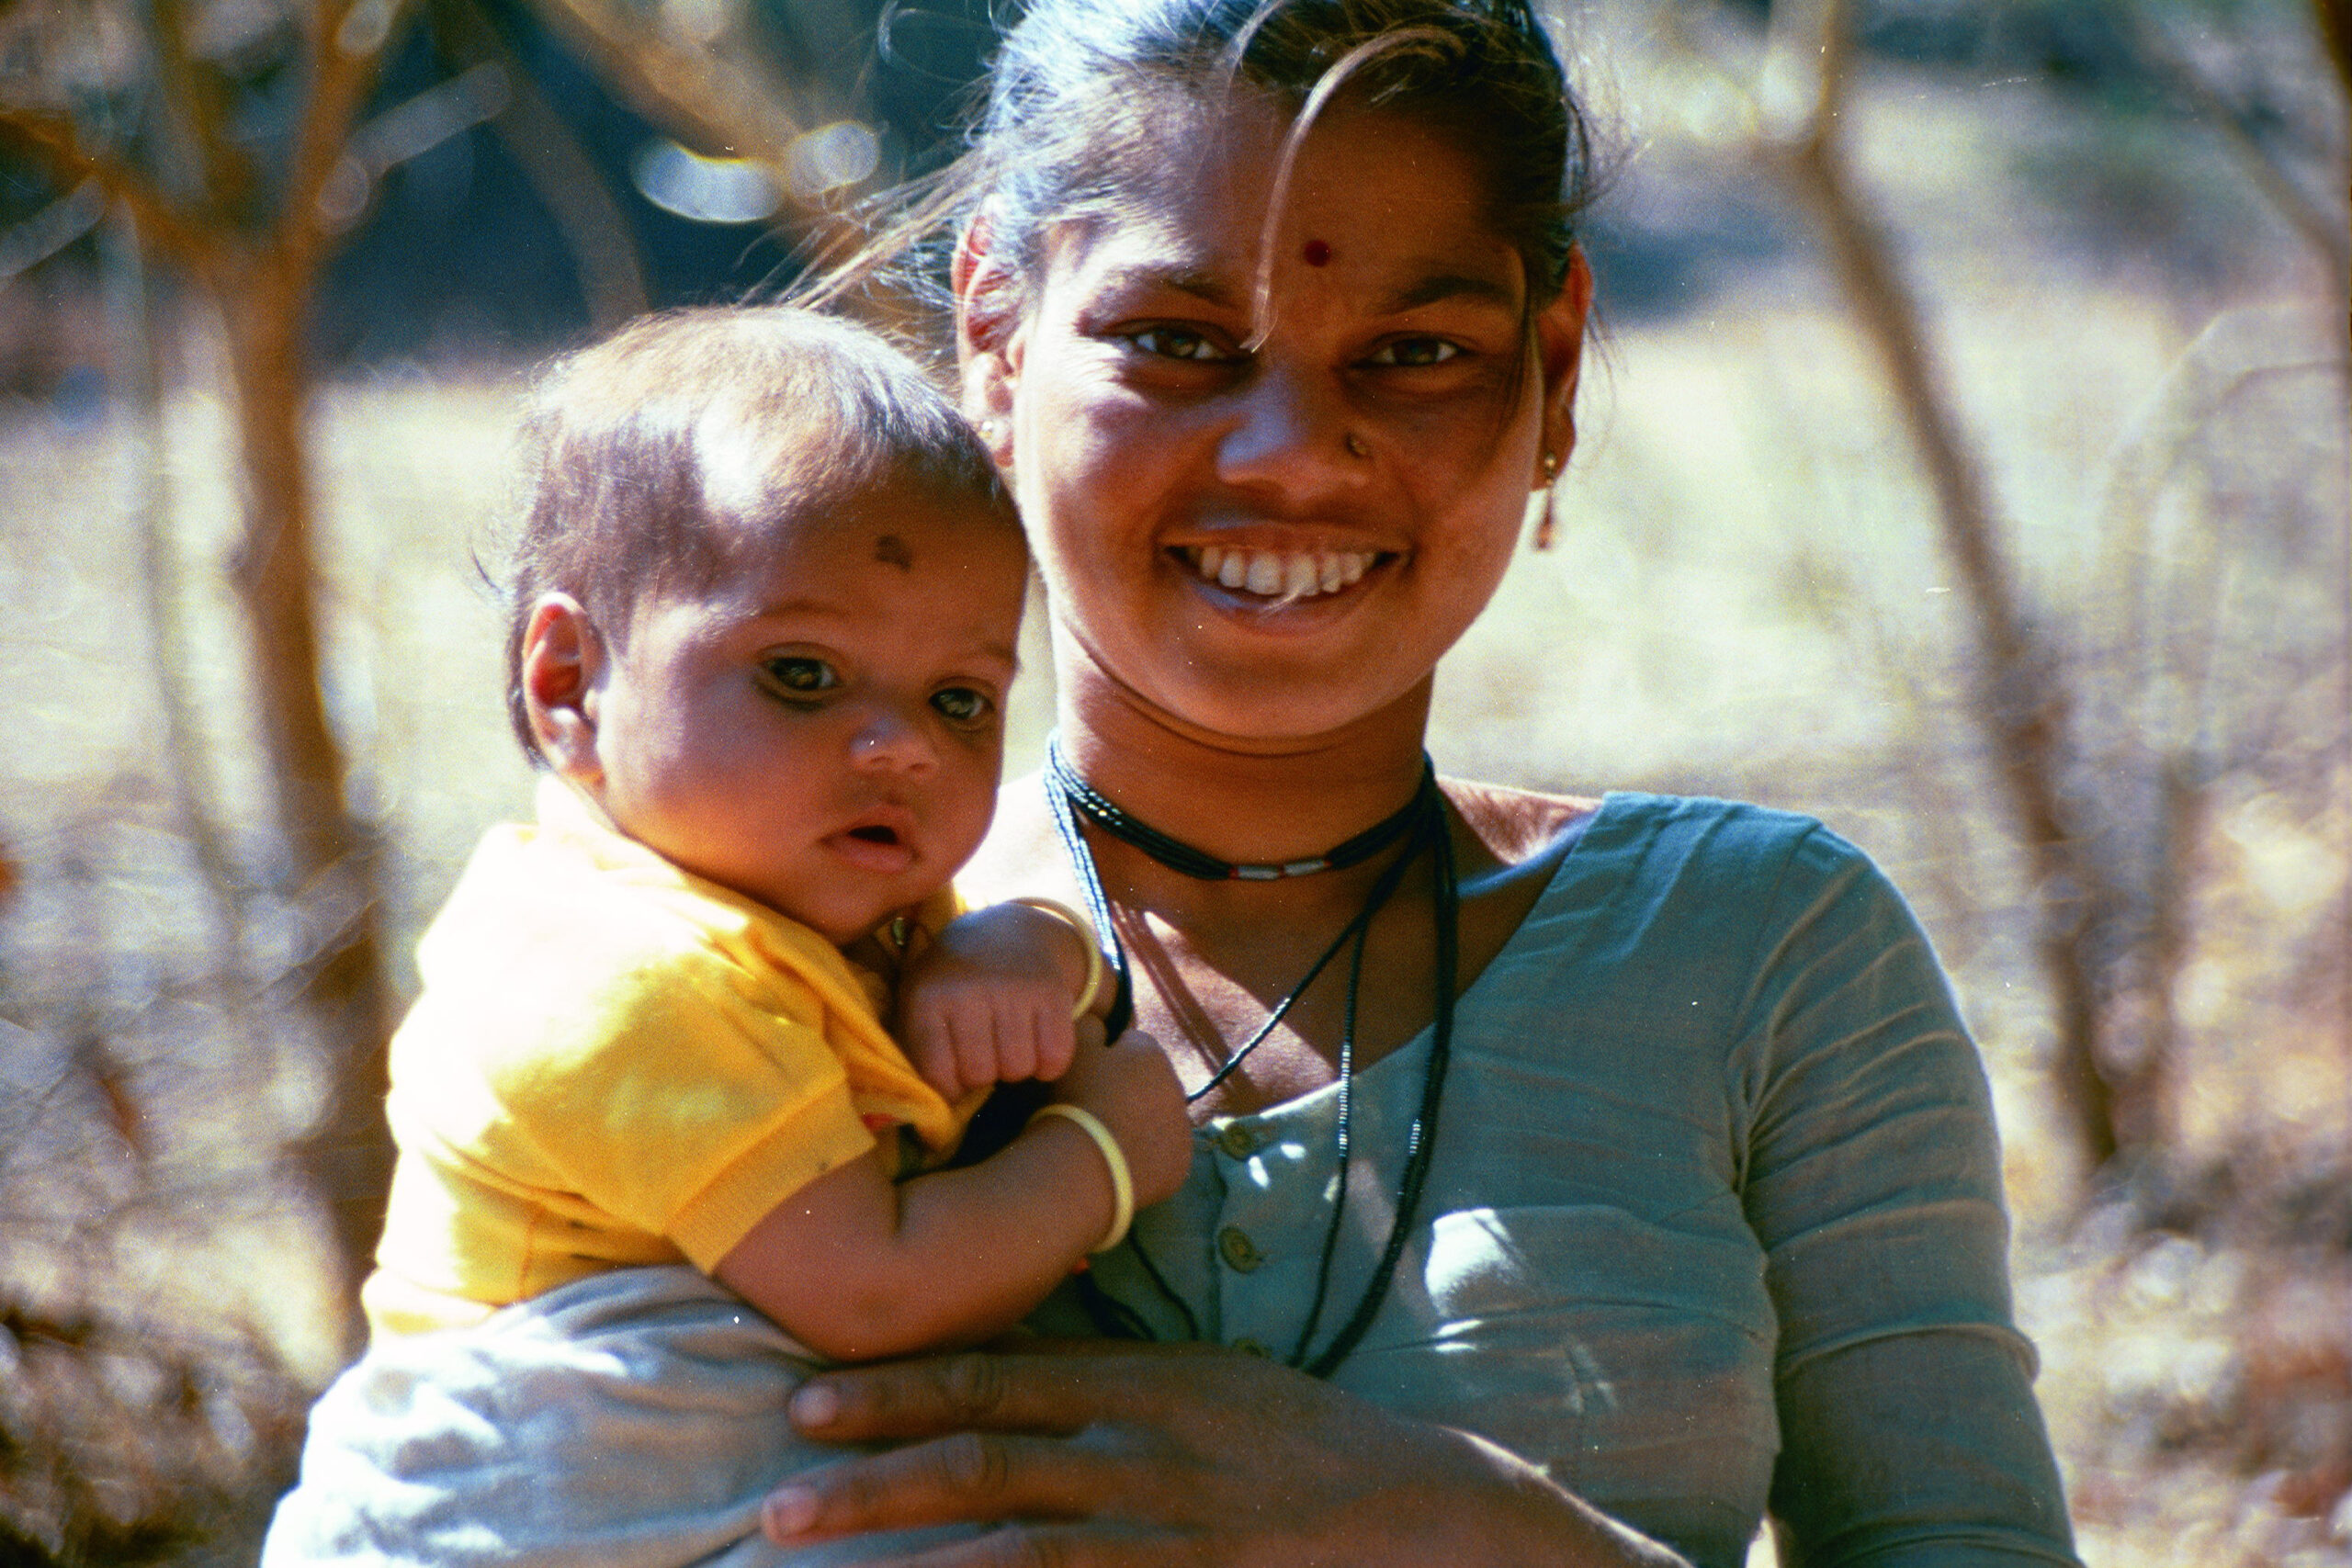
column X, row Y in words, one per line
column 643, row 453
column 1079, row 96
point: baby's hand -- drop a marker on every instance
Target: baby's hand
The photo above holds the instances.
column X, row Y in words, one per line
column 989, row 1002
column 1129, row 1086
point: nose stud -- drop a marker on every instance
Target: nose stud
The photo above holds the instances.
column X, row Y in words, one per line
column 886, row 745
column 1354, row 444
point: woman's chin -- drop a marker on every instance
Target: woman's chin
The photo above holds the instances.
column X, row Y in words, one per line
column 1262, row 702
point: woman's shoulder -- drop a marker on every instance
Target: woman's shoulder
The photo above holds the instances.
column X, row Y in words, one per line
column 1699, row 849
column 1513, row 826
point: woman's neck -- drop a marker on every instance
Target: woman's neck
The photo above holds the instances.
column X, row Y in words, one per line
column 1240, row 799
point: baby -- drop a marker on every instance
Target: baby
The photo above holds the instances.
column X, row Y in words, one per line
column 765, row 597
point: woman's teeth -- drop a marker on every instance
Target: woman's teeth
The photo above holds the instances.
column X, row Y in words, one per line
column 1284, row 574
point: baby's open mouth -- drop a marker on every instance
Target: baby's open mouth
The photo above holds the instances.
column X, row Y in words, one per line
column 881, row 843
column 1279, row 574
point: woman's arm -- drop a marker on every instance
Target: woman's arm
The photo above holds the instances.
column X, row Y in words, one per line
column 1871, row 1175
column 1091, row 1454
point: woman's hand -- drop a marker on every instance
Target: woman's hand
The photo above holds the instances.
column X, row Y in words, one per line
column 1094, row 1454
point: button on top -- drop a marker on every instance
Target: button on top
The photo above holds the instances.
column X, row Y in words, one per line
column 1238, row 1141
column 1250, row 1347
column 1241, row 1254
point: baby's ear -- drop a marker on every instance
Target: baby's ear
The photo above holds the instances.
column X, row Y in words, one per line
column 562, row 679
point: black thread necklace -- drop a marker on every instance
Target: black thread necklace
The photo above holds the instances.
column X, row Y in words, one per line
column 1424, row 818
column 1178, row 855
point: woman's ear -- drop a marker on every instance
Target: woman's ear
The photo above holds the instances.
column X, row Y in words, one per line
column 1559, row 346
column 988, row 334
column 562, row 680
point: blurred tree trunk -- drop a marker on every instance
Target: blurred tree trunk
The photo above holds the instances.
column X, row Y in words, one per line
column 2021, row 701
column 257, row 259
column 346, row 1158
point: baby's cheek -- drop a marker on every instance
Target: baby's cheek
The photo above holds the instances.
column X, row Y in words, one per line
column 966, row 805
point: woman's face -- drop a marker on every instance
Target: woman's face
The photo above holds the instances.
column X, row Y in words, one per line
column 1269, row 523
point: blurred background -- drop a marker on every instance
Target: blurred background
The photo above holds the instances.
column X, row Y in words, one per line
column 1965, row 464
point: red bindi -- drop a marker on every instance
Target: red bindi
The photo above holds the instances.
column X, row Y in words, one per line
column 1317, row 253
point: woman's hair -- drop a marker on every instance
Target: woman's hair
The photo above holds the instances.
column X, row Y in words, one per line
column 643, row 453
column 1080, row 100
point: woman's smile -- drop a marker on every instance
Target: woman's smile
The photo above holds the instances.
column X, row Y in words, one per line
column 1277, row 575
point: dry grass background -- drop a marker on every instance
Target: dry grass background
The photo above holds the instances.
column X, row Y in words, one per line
column 1746, row 599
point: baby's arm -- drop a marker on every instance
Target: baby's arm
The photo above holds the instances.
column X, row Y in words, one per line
column 856, row 1267
column 991, row 999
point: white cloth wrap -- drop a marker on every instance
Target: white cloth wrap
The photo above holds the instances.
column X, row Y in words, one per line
column 634, row 1419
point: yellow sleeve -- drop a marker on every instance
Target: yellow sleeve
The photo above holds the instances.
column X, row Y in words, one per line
column 673, row 1104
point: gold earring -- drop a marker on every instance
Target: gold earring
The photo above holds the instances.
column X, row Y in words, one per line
column 1356, row 449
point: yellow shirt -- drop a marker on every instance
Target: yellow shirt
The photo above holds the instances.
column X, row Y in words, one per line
column 614, row 1063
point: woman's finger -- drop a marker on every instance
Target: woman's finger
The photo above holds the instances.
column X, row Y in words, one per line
column 976, row 1392
column 963, row 1477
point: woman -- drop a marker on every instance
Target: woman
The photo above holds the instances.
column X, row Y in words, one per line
column 1575, row 1180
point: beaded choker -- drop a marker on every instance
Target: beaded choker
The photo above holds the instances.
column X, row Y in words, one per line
column 1178, row 855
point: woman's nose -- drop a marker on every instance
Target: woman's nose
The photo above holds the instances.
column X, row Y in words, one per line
column 886, row 739
column 1291, row 436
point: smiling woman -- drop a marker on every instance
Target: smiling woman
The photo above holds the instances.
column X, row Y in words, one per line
column 1574, row 1182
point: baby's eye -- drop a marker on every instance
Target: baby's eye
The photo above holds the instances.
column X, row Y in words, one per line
column 961, row 703
column 1413, row 352
column 1177, row 343
column 797, row 673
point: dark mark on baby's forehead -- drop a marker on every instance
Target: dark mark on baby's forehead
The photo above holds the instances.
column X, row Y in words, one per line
column 892, row 550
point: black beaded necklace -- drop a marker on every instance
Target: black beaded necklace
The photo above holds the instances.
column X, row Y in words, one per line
column 1178, row 855
column 1423, row 818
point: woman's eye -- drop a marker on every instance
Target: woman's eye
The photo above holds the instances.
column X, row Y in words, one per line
column 961, row 705
column 803, row 674
column 1413, row 352
column 1175, row 342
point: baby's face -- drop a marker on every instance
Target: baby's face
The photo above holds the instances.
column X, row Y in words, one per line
column 823, row 728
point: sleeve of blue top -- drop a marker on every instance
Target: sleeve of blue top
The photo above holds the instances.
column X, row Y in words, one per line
column 1908, row 1429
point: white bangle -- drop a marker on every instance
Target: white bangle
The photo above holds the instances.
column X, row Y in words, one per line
column 1076, row 923
column 1123, row 1181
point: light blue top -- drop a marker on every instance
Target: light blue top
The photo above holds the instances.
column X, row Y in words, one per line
column 1714, row 1218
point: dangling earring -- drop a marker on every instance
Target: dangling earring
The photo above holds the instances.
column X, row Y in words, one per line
column 1543, row 518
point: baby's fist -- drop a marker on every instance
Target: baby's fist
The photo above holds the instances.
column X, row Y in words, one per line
column 990, row 1001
